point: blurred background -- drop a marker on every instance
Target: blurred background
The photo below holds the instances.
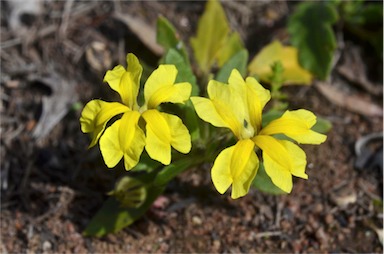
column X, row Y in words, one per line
column 54, row 55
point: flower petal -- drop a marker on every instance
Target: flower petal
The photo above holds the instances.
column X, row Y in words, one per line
column 206, row 110
column 297, row 125
column 131, row 139
column 158, row 137
column 160, row 87
column 95, row 116
column 224, row 109
column 244, row 167
column 280, row 176
column 180, row 137
column 126, row 82
column 299, row 158
column 255, row 96
column 221, row 170
column 275, row 154
column 236, row 165
column 123, row 138
column 113, row 77
column 110, row 146
column 275, row 150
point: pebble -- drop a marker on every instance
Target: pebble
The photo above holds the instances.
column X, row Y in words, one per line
column 216, row 245
column 329, row 219
column 196, row 220
column 47, row 245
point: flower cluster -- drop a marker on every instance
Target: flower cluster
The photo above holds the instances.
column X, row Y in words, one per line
column 238, row 106
column 125, row 138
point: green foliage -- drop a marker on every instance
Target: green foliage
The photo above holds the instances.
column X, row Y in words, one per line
column 185, row 73
column 168, row 38
column 270, row 116
column 311, row 32
column 238, row 61
column 212, row 31
column 277, row 79
column 365, row 20
column 322, row 125
column 264, row 183
column 361, row 13
column 172, row 170
column 233, row 44
column 113, row 217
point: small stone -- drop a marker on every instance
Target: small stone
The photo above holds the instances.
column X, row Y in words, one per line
column 329, row 219
column 216, row 245
column 318, row 208
column 47, row 246
column 196, row 220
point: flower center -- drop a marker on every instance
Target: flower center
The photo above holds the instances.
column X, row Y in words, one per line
column 142, row 109
column 248, row 131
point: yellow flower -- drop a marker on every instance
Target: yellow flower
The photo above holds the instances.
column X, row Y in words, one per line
column 125, row 138
column 238, row 106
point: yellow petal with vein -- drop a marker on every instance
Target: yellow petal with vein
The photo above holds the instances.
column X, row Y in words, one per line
column 236, row 165
column 158, row 137
column 110, row 145
column 131, row 139
column 95, row 116
column 244, row 166
column 254, row 95
column 113, row 77
column 275, row 150
column 280, row 175
column 126, row 82
column 177, row 93
column 280, row 172
column 299, row 159
column 227, row 108
column 221, row 170
column 123, row 138
column 297, row 125
column 160, row 87
column 206, row 110
column 180, row 137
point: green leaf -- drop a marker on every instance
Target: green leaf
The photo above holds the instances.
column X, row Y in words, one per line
column 168, row 38
column 360, row 13
column 185, row 73
column 322, row 125
column 238, row 61
column 270, row 116
column 365, row 20
column 113, row 217
column 232, row 45
column 172, row 170
column 311, row 32
column 166, row 33
column 146, row 163
column 264, row 183
column 212, row 31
